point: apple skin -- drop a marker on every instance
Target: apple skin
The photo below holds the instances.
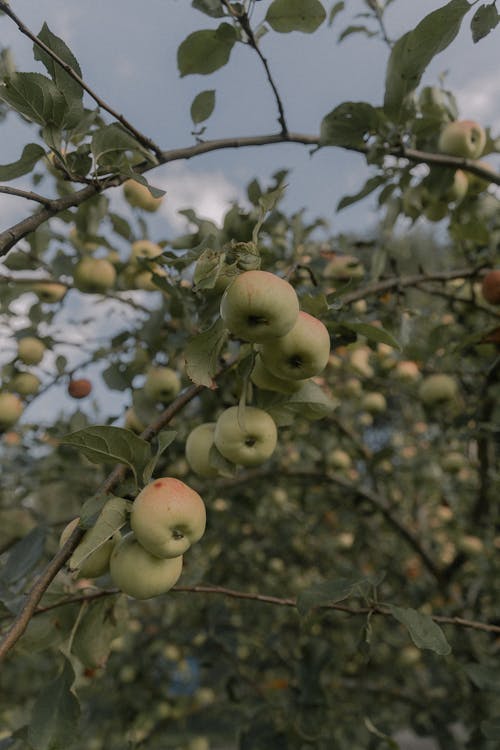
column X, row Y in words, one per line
column 144, row 249
column 437, row 388
column 302, row 353
column 138, row 573
column 138, row 196
column 464, row 138
column 407, row 371
column 339, row 459
column 248, row 444
column 263, row 378
column 162, row 384
column 11, row 408
column 374, row 402
column 490, row 287
column 132, row 421
column 25, row 384
column 49, row 291
column 259, row 306
column 97, row 563
column 168, row 517
column 198, row 444
column 79, row 388
column 94, row 275
column 30, row 350
column 344, row 268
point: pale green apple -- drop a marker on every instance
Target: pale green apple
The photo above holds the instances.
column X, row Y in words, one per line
column 344, row 268
column 302, row 353
column 30, row 350
column 132, row 421
column 94, row 275
column 49, row 291
column 138, row 196
column 438, row 388
column 246, row 439
column 140, row 574
column 162, row 384
column 464, row 138
column 263, row 378
column 11, row 408
column 198, row 445
column 374, row 402
column 97, row 563
column 145, row 249
column 339, row 459
column 25, row 383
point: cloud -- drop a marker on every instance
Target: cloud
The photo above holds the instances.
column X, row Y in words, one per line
column 479, row 99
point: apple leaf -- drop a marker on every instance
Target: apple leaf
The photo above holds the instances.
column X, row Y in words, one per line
column 111, row 519
column 330, row 592
column 24, row 555
column 424, row 632
column 335, row 10
column 164, row 438
column 485, row 678
column 98, row 627
column 211, row 8
column 32, row 153
column 206, row 51
column 350, row 124
column 64, row 82
column 202, row 354
column 202, row 106
column 370, row 185
column 35, row 97
column 55, row 713
column 484, row 20
column 295, row 15
column 373, row 333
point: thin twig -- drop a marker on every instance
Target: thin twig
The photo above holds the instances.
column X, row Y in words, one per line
column 28, row 194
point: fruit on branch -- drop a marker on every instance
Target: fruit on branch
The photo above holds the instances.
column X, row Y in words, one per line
column 438, row 388
column 198, row 446
column 359, row 359
column 374, row 402
column 477, row 184
column 259, row 306
column 85, row 246
column 138, row 196
column 168, row 517
column 11, row 408
column 132, row 421
column 490, row 287
column 344, row 268
column 97, row 562
column 302, row 353
column 162, row 384
column 459, row 186
column 145, row 249
column 94, row 275
column 263, row 378
column 79, row 388
column 25, row 383
column 248, row 438
column 49, row 291
column 407, row 371
column 339, row 459
column 463, row 138
column 140, row 574
column 30, row 350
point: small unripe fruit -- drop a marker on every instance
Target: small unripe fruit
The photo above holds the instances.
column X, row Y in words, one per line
column 132, row 421
column 30, row 350
column 140, row 574
column 490, row 287
column 198, row 445
column 94, row 275
column 144, row 249
column 463, row 138
column 97, row 563
column 374, row 403
column 25, row 383
column 162, row 384
column 438, row 388
column 138, row 196
column 302, row 353
column 248, row 441
column 11, row 408
column 49, row 291
column 79, row 388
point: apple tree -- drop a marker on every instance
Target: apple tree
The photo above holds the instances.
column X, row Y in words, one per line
column 249, row 473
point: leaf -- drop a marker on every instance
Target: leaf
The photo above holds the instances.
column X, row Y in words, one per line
column 64, row 82
column 35, row 97
column 111, row 519
column 113, row 138
column 98, row 627
column 413, row 52
column 349, row 124
column 491, row 729
column 32, row 153
column 485, row 678
column 372, row 333
column 311, row 401
column 370, row 185
column 484, row 20
column 165, row 438
column 295, row 15
column 24, row 555
column 103, row 444
column 424, row 632
column 205, row 51
column 381, row 735
column 356, row 30
column 211, row 8
column 337, row 8
column 55, row 714
column 202, row 354
column 202, row 106
column 329, row 592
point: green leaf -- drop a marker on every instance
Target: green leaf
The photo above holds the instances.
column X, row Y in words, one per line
column 337, row 8
column 356, row 30
column 295, row 15
column 350, row 124
column 32, row 153
column 111, row 519
column 370, row 185
column 64, row 82
column 330, row 592
column 113, row 138
column 202, row 106
column 486, row 678
column 413, row 52
column 98, row 627
column 211, row 8
column 202, row 354
column 24, row 555
column 35, row 97
column 55, row 714
column 372, row 333
column 103, row 444
column 491, row 729
column 165, row 438
column 381, row 735
column 424, row 632
column 205, row 51
column 484, row 20
column 310, row 401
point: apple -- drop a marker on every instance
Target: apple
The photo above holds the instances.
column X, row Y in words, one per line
column 438, row 388
column 11, row 408
column 144, row 249
column 339, row 459
column 462, row 138
column 374, row 402
column 490, row 287
column 262, row 378
column 144, row 279
column 140, row 574
column 359, row 359
column 168, row 517
column 477, row 184
column 259, row 306
column 407, row 371
column 248, row 442
column 459, row 186
column 30, row 350
column 162, row 384
column 302, row 353
column 49, row 291
column 198, row 445
column 79, row 388
column 344, row 268
column 97, row 563
column 453, row 461
column 86, row 246
column 25, row 383
column 94, row 275
column 132, row 421
column 139, row 196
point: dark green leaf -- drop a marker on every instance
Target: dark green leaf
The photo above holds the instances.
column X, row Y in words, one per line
column 64, row 82
column 337, row 8
column 35, row 97
column 329, row 592
column 98, row 627
column 24, row 555
column 356, row 30
column 111, row 519
column 373, row 333
column 32, row 153
column 55, row 714
column 112, row 138
column 370, row 185
column 295, row 15
column 205, row 51
column 349, row 124
column 486, row 678
column 484, row 20
column 202, row 354
column 202, row 106
column 424, row 632
column 164, row 438
column 211, row 8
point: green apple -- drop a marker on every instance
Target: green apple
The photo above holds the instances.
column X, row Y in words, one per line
column 144, row 279
column 407, row 371
column 259, row 306
column 249, row 441
column 94, row 275
column 344, row 268
column 438, row 388
column 138, row 196
column 162, row 384
column 463, row 138
column 302, row 353
column 198, row 445
column 339, row 459
column 140, row 574
column 478, row 184
column 145, row 249
column 374, row 402
column 25, row 383
column 132, row 421
column 49, row 291
column 459, row 186
column 97, row 563
column 30, row 350
column 11, row 408
column 263, row 378
column 453, row 461
column 168, row 517
column 359, row 359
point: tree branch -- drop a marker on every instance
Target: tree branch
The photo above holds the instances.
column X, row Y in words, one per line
column 28, row 194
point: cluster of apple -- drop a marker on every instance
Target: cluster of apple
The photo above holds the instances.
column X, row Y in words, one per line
column 30, row 351
column 167, row 517
column 291, row 347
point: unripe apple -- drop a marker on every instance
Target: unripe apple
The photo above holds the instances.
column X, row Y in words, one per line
column 11, row 408
column 162, row 384
column 79, row 388
column 263, row 378
column 477, row 184
column 132, row 421
column 407, row 371
column 462, row 138
column 140, row 574
column 25, row 383
column 339, row 459
column 302, row 353
column 144, row 249
column 248, row 442
column 374, row 402
column 438, row 388
column 198, row 445
column 49, row 291
column 259, row 306
column 459, row 186
column 97, row 563
column 352, row 388
column 359, row 359
column 344, row 268
column 453, row 461
column 85, row 246
column 144, row 279
column 168, row 517
column 30, row 350
column 94, row 275
column 490, row 287
column 138, row 196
